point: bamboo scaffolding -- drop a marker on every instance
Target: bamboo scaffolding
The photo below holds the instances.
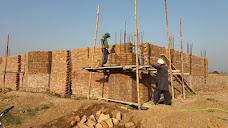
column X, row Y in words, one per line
column 182, row 64
column 170, row 68
column 137, row 62
column 7, row 52
column 125, row 34
column 94, row 46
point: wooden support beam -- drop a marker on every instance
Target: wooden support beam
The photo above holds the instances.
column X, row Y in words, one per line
column 137, row 62
column 169, row 51
column 94, row 46
column 7, row 52
column 182, row 64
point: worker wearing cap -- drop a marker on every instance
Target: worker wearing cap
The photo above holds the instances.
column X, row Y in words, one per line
column 104, row 44
column 162, row 83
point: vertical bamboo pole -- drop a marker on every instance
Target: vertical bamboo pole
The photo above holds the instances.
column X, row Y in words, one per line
column 182, row 64
column 115, row 45
column 94, row 46
column 120, row 39
column 125, row 34
column 170, row 66
column 190, row 62
column 137, row 62
column 7, row 52
column 187, row 48
column 205, row 68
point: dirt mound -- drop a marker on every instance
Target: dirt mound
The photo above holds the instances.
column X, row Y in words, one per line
column 35, row 110
column 88, row 110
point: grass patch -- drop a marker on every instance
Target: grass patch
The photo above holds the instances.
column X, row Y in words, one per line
column 10, row 119
column 55, row 95
column 80, row 98
column 44, row 107
column 33, row 112
column 212, row 100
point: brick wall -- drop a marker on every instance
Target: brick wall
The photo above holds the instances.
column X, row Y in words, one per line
column 114, row 86
column 37, row 67
column 196, row 66
column 11, row 75
column 61, row 72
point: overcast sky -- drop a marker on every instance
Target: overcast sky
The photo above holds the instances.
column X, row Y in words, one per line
column 43, row 25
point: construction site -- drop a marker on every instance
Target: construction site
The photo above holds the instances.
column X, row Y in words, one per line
column 73, row 85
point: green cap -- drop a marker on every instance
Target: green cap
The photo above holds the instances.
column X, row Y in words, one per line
column 107, row 34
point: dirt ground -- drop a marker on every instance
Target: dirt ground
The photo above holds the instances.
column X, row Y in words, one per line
column 37, row 110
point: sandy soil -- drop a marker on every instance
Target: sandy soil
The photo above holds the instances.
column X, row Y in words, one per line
column 36, row 110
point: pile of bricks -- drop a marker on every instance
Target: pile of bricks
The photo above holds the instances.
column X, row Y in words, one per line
column 100, row 120
column 61, row 72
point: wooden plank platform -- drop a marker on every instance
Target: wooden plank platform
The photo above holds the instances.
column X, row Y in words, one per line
column 103, row 68
column 127, row 102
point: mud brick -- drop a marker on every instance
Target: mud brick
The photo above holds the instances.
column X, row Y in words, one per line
column 90, row 122
column 115, row 121
column 83, row 120
column 129, row 124
column 77, row 118
column 83, row 126
column 92, row 117
column 103, row 117
column 109, row 122
column 98, row 125
column 104, row 124
column 119, row 116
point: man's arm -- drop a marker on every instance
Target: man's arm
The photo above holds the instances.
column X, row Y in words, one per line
column 155, row 66
column 102, row 43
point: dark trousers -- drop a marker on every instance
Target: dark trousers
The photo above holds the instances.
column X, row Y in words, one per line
column 104, row 56
column 167, row 97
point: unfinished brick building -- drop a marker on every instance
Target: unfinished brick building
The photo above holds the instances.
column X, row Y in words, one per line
column 61, row 72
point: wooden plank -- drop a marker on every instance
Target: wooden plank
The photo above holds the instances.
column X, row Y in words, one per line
column 7, row 52
column 137, row 62
column 101, row 68
column 127, row 102
column 11, row 72
column 94, row 46
column 168, row 40
column 182, row 64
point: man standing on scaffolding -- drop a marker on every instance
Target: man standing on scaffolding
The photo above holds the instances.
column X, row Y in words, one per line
column 162, row 83
column 104, row 44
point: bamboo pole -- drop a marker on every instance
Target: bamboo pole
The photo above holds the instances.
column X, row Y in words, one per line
column 205, row 67
column 182, row 64
column 94, row 46
column 7, row 52
column 190, row 52
column 120, row 39
column 137, row 62
column 187, row 48
column 170, row 68
column 125, row 34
